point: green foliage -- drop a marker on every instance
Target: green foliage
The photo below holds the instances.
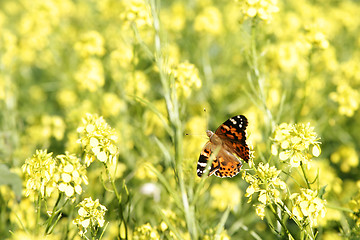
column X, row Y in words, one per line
column 96, row 99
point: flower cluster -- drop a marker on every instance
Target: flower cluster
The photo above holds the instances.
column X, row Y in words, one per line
column 39, row 171
column 354, row 205
column 308, row 206
column 209, row 21
column 263, row 9
column 316, row 38
column 98, row 140
column 347, row 98
column 145, row 232
column 91, row 44
column 266, row 182
column 44, row 174
column 91, row 214
column 295, row 141
column 186, row 77
column 212, row 234
column 70, row 174
column 138, row 12
column 225, row 195
column 90, row 75
column 347, row 157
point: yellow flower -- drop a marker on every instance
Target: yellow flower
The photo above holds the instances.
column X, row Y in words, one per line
column 260, row 211
column 308, row 207
column 297, row 143
column 112, row 105
column 145, row 232
column 90, row 215
column 174, row 19
column 137, row 84
column 90, row 44
column 90, row 75
column 186, row 77
column 316, row 38
column 347, row 157
column 266, row 182
column 138, row 12
column 70, row 174
column 209, row 21
column 347, row 98
column 98, row 140
column 263, row 9
column 39, row 172
column 355, row 207
column 224, row 195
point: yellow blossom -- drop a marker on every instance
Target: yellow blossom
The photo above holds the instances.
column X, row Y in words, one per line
column 70, row 174
column 225, row 195
column 90, row 75
column 186, row 77
column 90, row 44
column 308, row 206
column 138, row 12
column 146, row 232
column 90, row 215
column 39, row 172
column 209, row 21
column 296, row 143
column 263, row 9
column 98, row 140
column 265, row 182
column 347, row 98
column 347, row 157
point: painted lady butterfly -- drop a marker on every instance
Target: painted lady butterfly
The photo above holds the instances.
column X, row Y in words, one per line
column 228, row 139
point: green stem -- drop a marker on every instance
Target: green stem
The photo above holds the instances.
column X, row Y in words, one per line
column 118, row 197
column 53, row 214
column 304, row 174
column 38, row 213
column 280, row 221
column 172, row 105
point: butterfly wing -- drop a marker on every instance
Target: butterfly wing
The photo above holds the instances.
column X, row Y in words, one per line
column 233, row 133
column 204, row 158
column 224, row 165
column 229, row 165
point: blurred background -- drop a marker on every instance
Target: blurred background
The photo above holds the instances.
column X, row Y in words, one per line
column 285, row 61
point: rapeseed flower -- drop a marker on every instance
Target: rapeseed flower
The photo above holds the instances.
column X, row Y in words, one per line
column 266, row 183
column 39, row 174
column 146, row 232
column 98, row 140
column 186, row 77
column 209, row 21
column 347, row 98
column 308, row 206
column 91, row 215
column 90, row 44
column 70, row 174
column 355, row 207
column 297, row 143
column 224, row 195
column 262, row 9
column 138, row 12
column 90, row 75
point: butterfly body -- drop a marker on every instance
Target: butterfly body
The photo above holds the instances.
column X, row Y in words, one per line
column 228, row 143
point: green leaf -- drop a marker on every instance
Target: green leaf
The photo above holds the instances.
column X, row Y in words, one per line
column 322, row 192
column 12, row 179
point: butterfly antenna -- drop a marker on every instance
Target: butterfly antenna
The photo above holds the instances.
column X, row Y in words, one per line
column 206, row 118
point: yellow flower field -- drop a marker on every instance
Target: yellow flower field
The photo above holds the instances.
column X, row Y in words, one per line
column 105, row 106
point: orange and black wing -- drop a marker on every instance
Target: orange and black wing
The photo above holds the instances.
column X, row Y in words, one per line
column 233, row 133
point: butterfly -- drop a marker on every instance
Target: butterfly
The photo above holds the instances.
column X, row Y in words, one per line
column 228, row 139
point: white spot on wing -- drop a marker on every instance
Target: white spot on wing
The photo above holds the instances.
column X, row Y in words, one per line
column 202, row 164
